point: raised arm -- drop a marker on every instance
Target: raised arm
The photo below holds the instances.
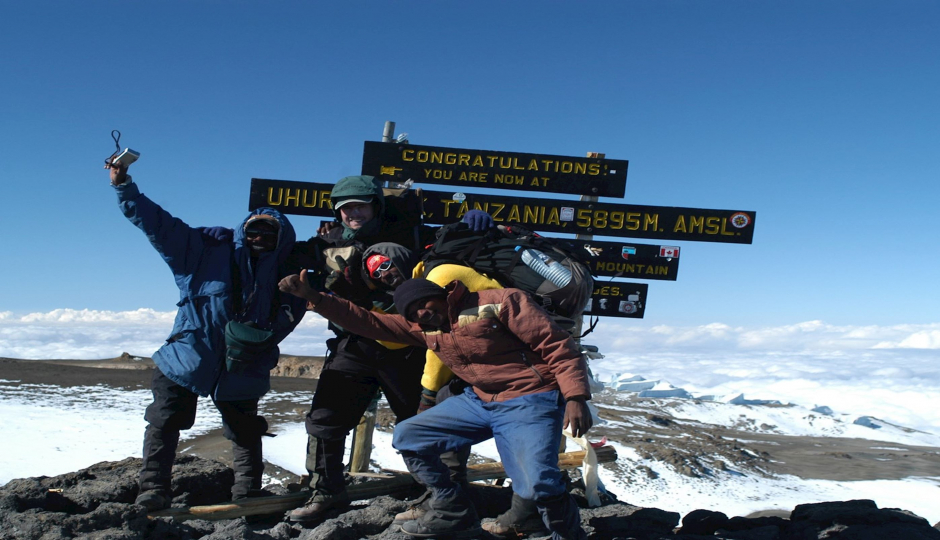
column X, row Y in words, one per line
column 377, row 326
column 179, row 244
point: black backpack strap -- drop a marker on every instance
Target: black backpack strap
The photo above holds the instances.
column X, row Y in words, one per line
column 592, row 325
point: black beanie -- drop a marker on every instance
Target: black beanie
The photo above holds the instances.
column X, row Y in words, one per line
column 414, row 290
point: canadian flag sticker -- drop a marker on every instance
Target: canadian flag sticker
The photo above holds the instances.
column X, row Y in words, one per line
column 669, row 252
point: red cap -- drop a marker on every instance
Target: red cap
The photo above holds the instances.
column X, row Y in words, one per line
column 374, row 261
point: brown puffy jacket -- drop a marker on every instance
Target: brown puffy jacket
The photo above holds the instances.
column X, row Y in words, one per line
column 500, row 341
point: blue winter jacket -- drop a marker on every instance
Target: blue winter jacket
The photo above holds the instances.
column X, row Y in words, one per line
column 194, row 354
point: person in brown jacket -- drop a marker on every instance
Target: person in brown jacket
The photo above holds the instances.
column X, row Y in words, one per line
column 528, row 381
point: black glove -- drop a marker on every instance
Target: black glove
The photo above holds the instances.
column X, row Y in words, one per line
column 222, row 234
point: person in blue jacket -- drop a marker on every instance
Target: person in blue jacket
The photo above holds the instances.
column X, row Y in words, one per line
column 224, row 342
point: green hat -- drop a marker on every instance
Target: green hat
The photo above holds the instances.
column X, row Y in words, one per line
column 357, row 189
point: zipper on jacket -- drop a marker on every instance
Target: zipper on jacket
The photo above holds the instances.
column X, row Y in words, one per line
column 525, row 360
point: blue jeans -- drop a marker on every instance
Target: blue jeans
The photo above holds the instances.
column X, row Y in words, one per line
column 527, row 431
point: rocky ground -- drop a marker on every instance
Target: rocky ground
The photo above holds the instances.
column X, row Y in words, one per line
column 97, row 502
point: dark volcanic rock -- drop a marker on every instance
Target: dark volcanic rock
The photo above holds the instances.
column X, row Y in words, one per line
column 97, row 503
column 703, row 522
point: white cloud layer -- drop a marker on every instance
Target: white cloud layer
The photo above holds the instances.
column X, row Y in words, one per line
column 891, row 372
column 90, row 334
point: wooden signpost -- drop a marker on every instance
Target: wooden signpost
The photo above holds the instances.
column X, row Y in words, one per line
column 515, row 179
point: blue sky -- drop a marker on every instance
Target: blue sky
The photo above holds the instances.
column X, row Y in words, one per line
column 821, row 116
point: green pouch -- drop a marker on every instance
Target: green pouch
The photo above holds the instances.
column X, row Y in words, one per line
column 244, row 344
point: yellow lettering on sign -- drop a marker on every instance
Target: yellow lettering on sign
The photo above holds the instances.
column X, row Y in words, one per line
column 514, row 213
column 447, row 203
column 530, row 214
column 633, row 221
column 712, row 225
column 472, row 177
column 408, row 155
column 680, row 225
column 306, row 201
column 607, row 290
column 724, row 232
column 497, row 209
column 583, row 217
column 533, row 165
column 295, row 197
column 438, row 174
column 553, row 217
column 593, row 169
column 700, row 225
column 477, row 161
column 508, row 179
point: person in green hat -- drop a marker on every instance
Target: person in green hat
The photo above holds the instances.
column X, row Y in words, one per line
column 357, row 366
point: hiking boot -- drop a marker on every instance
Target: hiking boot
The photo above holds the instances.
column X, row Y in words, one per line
column 418, row 508
column 411, row 514
column 153, row 500
column 318, row 505
column 453, row 518
column 532, row 524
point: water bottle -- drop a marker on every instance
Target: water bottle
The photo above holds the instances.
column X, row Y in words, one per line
column 545, row 266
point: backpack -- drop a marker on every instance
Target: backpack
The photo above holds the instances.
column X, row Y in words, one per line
column 498, row 253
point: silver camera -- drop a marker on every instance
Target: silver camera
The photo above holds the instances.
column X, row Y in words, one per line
column 126, row 157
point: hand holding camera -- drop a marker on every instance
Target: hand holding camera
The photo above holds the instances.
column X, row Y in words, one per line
column 120, row 160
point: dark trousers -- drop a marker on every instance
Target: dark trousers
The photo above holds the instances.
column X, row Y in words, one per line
column 354, row 371
column 174, row 410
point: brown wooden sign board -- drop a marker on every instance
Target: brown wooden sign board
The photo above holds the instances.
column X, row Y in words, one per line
column 618, row 299
column 510, row 172
column 543, row 215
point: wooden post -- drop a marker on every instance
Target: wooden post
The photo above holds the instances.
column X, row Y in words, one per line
column 361, row 452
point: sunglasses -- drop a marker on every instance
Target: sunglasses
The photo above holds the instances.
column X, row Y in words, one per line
column 252, row 233
column 377, row 273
